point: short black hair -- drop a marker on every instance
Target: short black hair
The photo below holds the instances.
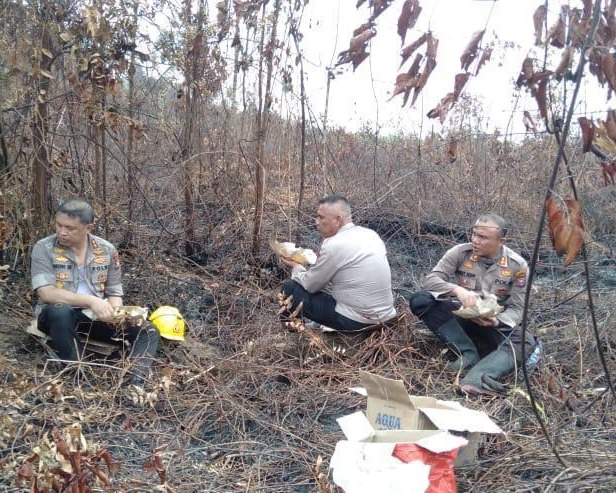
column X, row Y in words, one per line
column 339, row 200
column 79, row 208
column 490, row 217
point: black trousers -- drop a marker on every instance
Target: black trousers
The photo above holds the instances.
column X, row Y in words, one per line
column 320, row 307
column 434, row 313
column 64, row 323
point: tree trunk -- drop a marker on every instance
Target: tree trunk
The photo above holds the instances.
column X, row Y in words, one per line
column 41, row 203
column 262, row 119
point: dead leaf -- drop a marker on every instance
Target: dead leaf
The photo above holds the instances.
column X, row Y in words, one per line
column 470, row 52
column 423, row 78
column 610, row 125
column 556, row 34
column 460, row 82
column 526, row 73
column 431, row 45
column 607, row 67
column 578, row 28
column 608, row 170
column 442, row 108
column 408, row 17
column 565, row 227
column 359, row 41
column 588, row 133
column 407, row 51
column 540, row 94
column 565, row 62
column 538, row 20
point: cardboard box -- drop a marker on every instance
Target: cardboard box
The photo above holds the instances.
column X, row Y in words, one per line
column 390, row 407
column 367, row 461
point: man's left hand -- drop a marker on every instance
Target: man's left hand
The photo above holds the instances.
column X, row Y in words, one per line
column 487, row 321
column 289, row 263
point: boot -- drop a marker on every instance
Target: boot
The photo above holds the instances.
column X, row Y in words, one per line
column 143, row 353
column 452, row 333
column 495, row 365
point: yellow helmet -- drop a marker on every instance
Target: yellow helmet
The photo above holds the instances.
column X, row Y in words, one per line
column 169, row 322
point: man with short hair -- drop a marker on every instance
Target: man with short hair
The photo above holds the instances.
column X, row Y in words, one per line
column 72, row 270
column 466, row 272
column 349, row 287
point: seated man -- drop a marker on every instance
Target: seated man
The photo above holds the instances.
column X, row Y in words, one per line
column 352, row 265
column 480, row 268
column 72, row 270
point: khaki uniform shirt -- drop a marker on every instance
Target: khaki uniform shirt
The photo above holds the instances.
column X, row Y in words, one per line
column 506, row 278
column 353, row 265
column 55, row 265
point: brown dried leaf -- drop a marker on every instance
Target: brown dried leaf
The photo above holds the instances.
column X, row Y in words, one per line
column 608, row 170
column 470, row 52
column 408, row 17
column 565, row 227
column 565, row 62
column 442, row 108
column 362, row 28
column 460, row 82
column 432, row 45
column 423, row 78
column 358, row 58
column 485, row 57
column 358, row 42
column 588, row 133
column 538, row 20
column 379, row 6
column 414, row 69
column 587, row 9
column 607, row 67
column 609, row 124
column 526, row 73
column 540, row 94
column 403, row 82
column 408, row 50
column 578, row 29
column 556, row 34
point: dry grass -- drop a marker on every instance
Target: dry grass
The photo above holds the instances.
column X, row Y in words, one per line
column 247, row 405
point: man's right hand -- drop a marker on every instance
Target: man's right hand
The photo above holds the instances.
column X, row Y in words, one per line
column 466, row 297
column 101, row 308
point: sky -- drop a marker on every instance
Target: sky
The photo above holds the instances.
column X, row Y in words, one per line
column 362, row 98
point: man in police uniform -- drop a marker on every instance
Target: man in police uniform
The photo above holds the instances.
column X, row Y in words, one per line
column 349, row 287
column 72, row 270
column 482, row 267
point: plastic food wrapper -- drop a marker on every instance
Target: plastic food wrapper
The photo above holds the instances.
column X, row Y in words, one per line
column 288, row 250
column 132, row 314
column 485, row 307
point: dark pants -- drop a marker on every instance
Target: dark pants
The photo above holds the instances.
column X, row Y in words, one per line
column 319, row 307
column 64, row 323
column 435, row 313
column 492, row 351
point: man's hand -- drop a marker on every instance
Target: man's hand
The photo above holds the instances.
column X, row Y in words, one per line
column 289, row 263
column 486, row 321
column 466, row 297
column 101, row 308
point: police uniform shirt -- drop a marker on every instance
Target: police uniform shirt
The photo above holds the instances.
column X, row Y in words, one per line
column 55, row 265
column 506, row 278
column 353, row 265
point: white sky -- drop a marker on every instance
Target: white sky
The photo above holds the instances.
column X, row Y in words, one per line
column 361, row 98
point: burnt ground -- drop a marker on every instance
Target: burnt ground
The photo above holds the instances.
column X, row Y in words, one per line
column 247, row 405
